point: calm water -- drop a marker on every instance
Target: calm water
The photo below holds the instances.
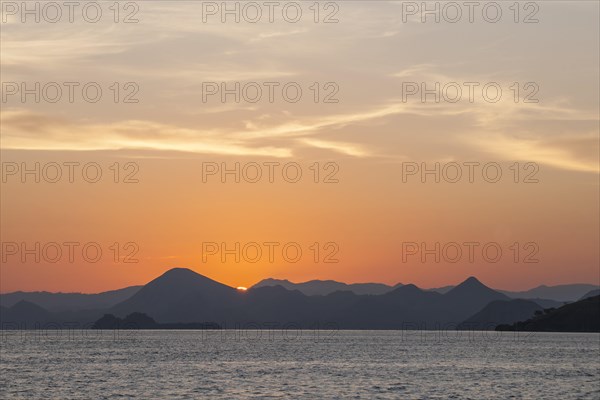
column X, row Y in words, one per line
column 299, row 364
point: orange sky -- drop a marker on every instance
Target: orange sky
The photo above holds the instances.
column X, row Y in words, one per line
column 163, row 140
column 369, row 213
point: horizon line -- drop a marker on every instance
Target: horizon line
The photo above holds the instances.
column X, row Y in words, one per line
column 298, row 283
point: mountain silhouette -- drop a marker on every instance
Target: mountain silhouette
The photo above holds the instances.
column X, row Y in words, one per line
column 470, row 296
column 180, row 295
column 545, row 303
column 24, row 315
column 442, row 290
column 276, row 304
column 500, row 312
column 581, row 316
column 323, row 288
column 546, row 296
column 29, row 310
column 70, row 301
column 591, row 293
column 406, row 307
column 559, row 293
column 142, row 321
column 27, row 315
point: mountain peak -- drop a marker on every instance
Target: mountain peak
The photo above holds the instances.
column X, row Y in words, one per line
column 179, row 271
column 177, row 296
column 270, row 281
column 26, row 305
column 29, row 309
column 406, row 289
column 471, row 287
column 183, row 278
column 470, row 295
column 471, row 282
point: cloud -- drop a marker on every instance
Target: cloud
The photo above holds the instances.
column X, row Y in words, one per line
column 573, row 153
column 350, row 149
column 369, row 54
column 26, row 130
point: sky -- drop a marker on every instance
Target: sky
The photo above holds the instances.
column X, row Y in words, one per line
column 360, row 135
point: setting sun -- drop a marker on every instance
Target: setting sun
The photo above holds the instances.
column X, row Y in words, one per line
column 411, row 185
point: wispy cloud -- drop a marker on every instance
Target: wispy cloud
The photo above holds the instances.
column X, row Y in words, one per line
column 171, row 52
column 24, row 130
column 350, row 149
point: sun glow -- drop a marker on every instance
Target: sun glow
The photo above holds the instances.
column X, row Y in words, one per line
column 243, row 289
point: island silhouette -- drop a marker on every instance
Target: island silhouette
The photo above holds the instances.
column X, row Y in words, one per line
column 183, row 299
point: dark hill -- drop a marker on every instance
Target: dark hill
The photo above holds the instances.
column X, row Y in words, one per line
column 70, row 301
column 323, row 288
column 500, row 312
column 591, row 293
column 24, row 315
column 581, row 316
column 181, row 295
column 143, row 321
column 470, row 297
column 559, row 293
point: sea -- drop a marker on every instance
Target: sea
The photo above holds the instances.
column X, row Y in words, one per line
column 298, row 364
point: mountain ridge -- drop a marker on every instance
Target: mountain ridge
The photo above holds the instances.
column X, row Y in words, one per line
column 64, row 301
column 181, row 295
column 555, row 295
column 580, row 316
